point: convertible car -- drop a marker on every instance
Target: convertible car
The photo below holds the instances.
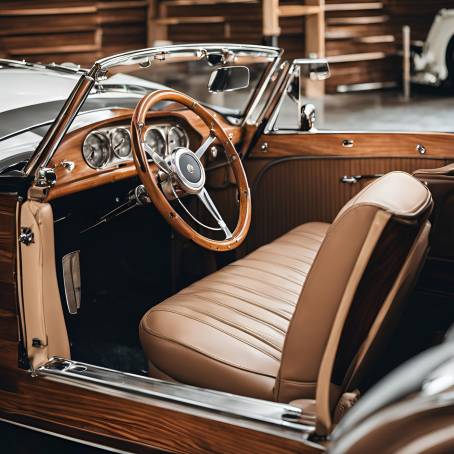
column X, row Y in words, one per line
column 181, row 271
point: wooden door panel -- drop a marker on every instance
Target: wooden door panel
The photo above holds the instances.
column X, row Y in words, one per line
column 287, row 192
column 295, row 177
column 380, row 144
column 8, row 289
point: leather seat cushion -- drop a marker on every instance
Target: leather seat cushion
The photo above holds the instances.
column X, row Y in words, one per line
column 227, row 330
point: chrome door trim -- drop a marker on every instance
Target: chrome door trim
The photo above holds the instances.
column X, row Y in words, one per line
column 122, row 383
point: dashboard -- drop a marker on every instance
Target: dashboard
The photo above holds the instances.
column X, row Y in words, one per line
column 100, row 152
column 111, row 146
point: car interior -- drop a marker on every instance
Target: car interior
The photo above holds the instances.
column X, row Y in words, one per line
column 178, row 244
column 255, row 321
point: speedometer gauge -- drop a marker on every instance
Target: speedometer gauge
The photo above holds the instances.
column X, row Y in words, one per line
column 120, row 141
column 155, row 140
column 177, row 138
column 96, row 150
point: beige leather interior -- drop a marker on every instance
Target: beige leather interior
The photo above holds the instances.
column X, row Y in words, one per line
column 229, row 328
column 41, row 306
column 260, row 326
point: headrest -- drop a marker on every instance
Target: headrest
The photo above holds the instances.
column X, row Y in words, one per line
column 397, row 193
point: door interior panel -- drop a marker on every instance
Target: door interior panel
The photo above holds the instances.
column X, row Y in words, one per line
column 289, row 191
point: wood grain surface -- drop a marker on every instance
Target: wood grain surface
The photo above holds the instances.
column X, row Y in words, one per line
column 84, row 177
column 377, row 145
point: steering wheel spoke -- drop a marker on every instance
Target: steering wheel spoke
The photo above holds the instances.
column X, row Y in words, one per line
column 160, row 162
column 205, row 145
column 206, row 199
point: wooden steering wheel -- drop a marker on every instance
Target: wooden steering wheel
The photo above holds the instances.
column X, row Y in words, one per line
column 183, row 171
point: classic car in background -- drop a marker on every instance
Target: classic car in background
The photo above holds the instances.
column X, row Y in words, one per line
column 178, row 274
column 434, row 60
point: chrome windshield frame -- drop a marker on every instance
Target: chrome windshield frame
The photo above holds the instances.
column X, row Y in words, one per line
column 62, row 123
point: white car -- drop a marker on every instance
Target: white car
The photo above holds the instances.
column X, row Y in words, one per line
column 434, row 64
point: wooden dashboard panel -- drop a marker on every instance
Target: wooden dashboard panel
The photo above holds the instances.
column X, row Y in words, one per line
column 84, row 177
column 363, row 144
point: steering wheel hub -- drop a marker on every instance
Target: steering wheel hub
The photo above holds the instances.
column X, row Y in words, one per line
column 188, row 170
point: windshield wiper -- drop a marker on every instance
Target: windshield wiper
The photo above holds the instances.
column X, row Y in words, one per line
column 66, row 68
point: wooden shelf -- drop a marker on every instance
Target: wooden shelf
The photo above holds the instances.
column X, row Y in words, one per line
column 190, row 20
column 77, row 31
column 350, row 58
column 354, row 6
column 205, row 2
column 299, row 10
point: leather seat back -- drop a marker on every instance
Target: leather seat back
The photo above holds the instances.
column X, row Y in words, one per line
column 362, row 266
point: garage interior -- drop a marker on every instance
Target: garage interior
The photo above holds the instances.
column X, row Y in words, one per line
column 362, row 40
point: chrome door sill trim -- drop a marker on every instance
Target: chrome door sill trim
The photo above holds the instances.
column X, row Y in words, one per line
column 239, row 407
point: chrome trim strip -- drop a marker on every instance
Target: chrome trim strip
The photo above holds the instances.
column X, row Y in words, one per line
column 260, row 90
column 195, row 49
column 145, row 387
column 64, row 437
column 270, row 126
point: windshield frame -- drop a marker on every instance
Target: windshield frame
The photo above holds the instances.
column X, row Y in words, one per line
column 99, row 71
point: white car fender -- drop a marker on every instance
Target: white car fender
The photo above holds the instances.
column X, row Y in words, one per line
column 433, row 57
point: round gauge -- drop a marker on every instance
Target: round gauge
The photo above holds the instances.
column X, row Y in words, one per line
column 96, row 150
column 120, row 141
column 177, row 138
column 155, row 140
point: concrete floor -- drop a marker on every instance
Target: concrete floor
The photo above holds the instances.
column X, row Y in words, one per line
column 379, row 111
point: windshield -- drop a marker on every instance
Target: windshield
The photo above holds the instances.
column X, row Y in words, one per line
column 121, row 80
column 187, row 69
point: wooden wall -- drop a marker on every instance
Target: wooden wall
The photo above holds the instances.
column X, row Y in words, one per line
column 71, row 31
column 362, row 36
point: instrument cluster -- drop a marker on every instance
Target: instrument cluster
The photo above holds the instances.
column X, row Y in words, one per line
column 108, row 147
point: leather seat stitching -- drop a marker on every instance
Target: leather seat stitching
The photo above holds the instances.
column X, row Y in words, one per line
column 305, row 233
column 293, row 258
column 263, row 270
column 217, row 329
column 247, row 289
column 307, row 237
column 239, row 327
column 212, row 300
column 298, row 245
column 212, row 357
column 273, row 284
column 216, row 290
column 281, row 265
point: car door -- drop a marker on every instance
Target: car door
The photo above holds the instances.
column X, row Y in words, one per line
column 301, row 176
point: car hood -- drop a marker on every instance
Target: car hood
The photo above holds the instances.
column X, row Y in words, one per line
column 27, row 87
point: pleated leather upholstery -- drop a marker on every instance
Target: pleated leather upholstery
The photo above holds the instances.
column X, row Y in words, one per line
column 227, row 330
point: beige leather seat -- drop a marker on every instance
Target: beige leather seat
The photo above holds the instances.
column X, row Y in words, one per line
column 259, row 326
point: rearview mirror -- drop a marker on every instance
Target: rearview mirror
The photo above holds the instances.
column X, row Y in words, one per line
column 228, row 78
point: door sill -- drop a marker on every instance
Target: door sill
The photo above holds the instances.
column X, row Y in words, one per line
column 239, row 407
